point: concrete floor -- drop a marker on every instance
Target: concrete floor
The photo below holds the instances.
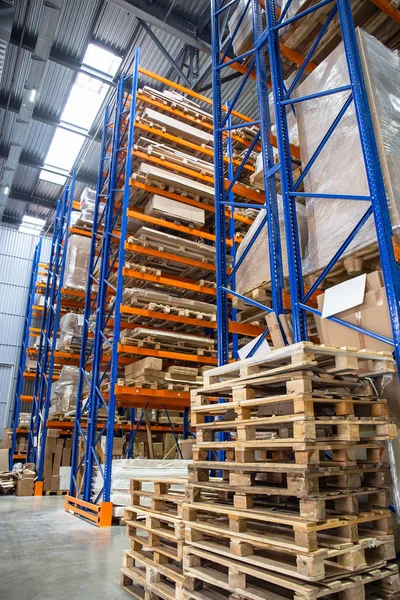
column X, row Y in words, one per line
column 48, row 554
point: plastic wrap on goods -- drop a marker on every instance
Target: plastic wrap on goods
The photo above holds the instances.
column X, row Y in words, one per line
column 88, row 199
column 64, row 390
column 70, row 330
column 243, row 39
column 339, row 169
column 123, row 470
column 77, row 262
column 255, row 269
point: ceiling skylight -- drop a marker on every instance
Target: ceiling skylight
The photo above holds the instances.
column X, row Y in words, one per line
column 102, row 60
column 84, row 101
column 31, row 225
column 83, row 104
column 53, row 177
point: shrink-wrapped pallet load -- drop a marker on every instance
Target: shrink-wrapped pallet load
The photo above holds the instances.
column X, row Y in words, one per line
column 339, row 169
column 255, row 272
column 77, row 262
column 64, row 390
column 70, row 331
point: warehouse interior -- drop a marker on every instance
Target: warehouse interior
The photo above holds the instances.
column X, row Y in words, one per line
column 200, row 299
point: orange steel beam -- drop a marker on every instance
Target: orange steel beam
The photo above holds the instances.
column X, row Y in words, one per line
column 126, row 349
column 19, row 456
column 76, row 205
column 161, row 397
column 169, row 280
column 169, row 256
column 44, row 265
column 389, row 9
column 294, row 150
column 234, row 327
column 182, row 142
column 155, row 190
column 29, row 375
column 69, row 425
column 237, row 188
column 296, row 57
column 175, row 226
column 79, row 231
column 190, row 119
column 189, row 92
column 25, row 398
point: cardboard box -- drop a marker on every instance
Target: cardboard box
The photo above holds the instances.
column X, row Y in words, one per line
column 372, row 314
column 186, row 447
column 118, row 446
column 4, row 459
column 55, row 483
column 6, row 439
column 25, row 483
column 137, row 368
column 158, row 449
column 140, row 450
column 57, row 457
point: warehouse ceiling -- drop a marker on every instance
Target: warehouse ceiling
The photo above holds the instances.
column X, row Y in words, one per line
column 62, row 60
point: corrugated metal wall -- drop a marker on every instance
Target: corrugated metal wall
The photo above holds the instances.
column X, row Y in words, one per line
column 16, row 255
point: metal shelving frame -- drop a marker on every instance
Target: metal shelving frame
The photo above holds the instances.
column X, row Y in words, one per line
column 102, row 356
column 26, row 334
column 48, row 336
column 268, row 49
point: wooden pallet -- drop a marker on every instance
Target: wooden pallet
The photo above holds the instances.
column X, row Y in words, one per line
column 146, row 579
column 165, row 499
column 300, row 356
column 283, row 529
column 310, row 496
column 337, row 560
column 146, row 535
column 213, row 577
column 56, row 492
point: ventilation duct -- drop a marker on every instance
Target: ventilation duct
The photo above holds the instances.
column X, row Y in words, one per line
column 6, row 22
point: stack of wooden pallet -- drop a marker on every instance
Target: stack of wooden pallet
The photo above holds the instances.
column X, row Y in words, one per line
column 152, row 568
column 299, row 508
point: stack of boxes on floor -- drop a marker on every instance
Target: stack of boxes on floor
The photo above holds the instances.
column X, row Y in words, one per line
column 57, row 462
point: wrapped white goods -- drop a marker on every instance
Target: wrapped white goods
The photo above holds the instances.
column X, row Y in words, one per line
column 70, row 331
column 255, row 269
column 339, row 169
column 77, row 262
column 64, row 390
column 243, row 39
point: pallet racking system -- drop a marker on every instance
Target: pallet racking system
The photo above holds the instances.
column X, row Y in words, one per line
column 46, row 351
column 268, row 60
column 33, row 311
column 104, row 353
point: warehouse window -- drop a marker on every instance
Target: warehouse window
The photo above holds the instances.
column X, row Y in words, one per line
column 31, row 225
column 102, row 60
column 83, row 104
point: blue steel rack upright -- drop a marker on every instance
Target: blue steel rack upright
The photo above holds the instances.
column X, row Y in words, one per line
column 23, row 355
column 109, row 209
column 48, row 336
column 102, row 355
column 266, row 44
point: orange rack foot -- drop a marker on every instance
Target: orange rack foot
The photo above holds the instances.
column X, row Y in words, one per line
column 99, row 514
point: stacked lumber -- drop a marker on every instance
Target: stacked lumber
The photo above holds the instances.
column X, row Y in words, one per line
column 152, row 568
column 299, row 508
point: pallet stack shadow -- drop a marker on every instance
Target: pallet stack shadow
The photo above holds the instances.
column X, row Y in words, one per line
column 299, row 509
column 152, row 568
